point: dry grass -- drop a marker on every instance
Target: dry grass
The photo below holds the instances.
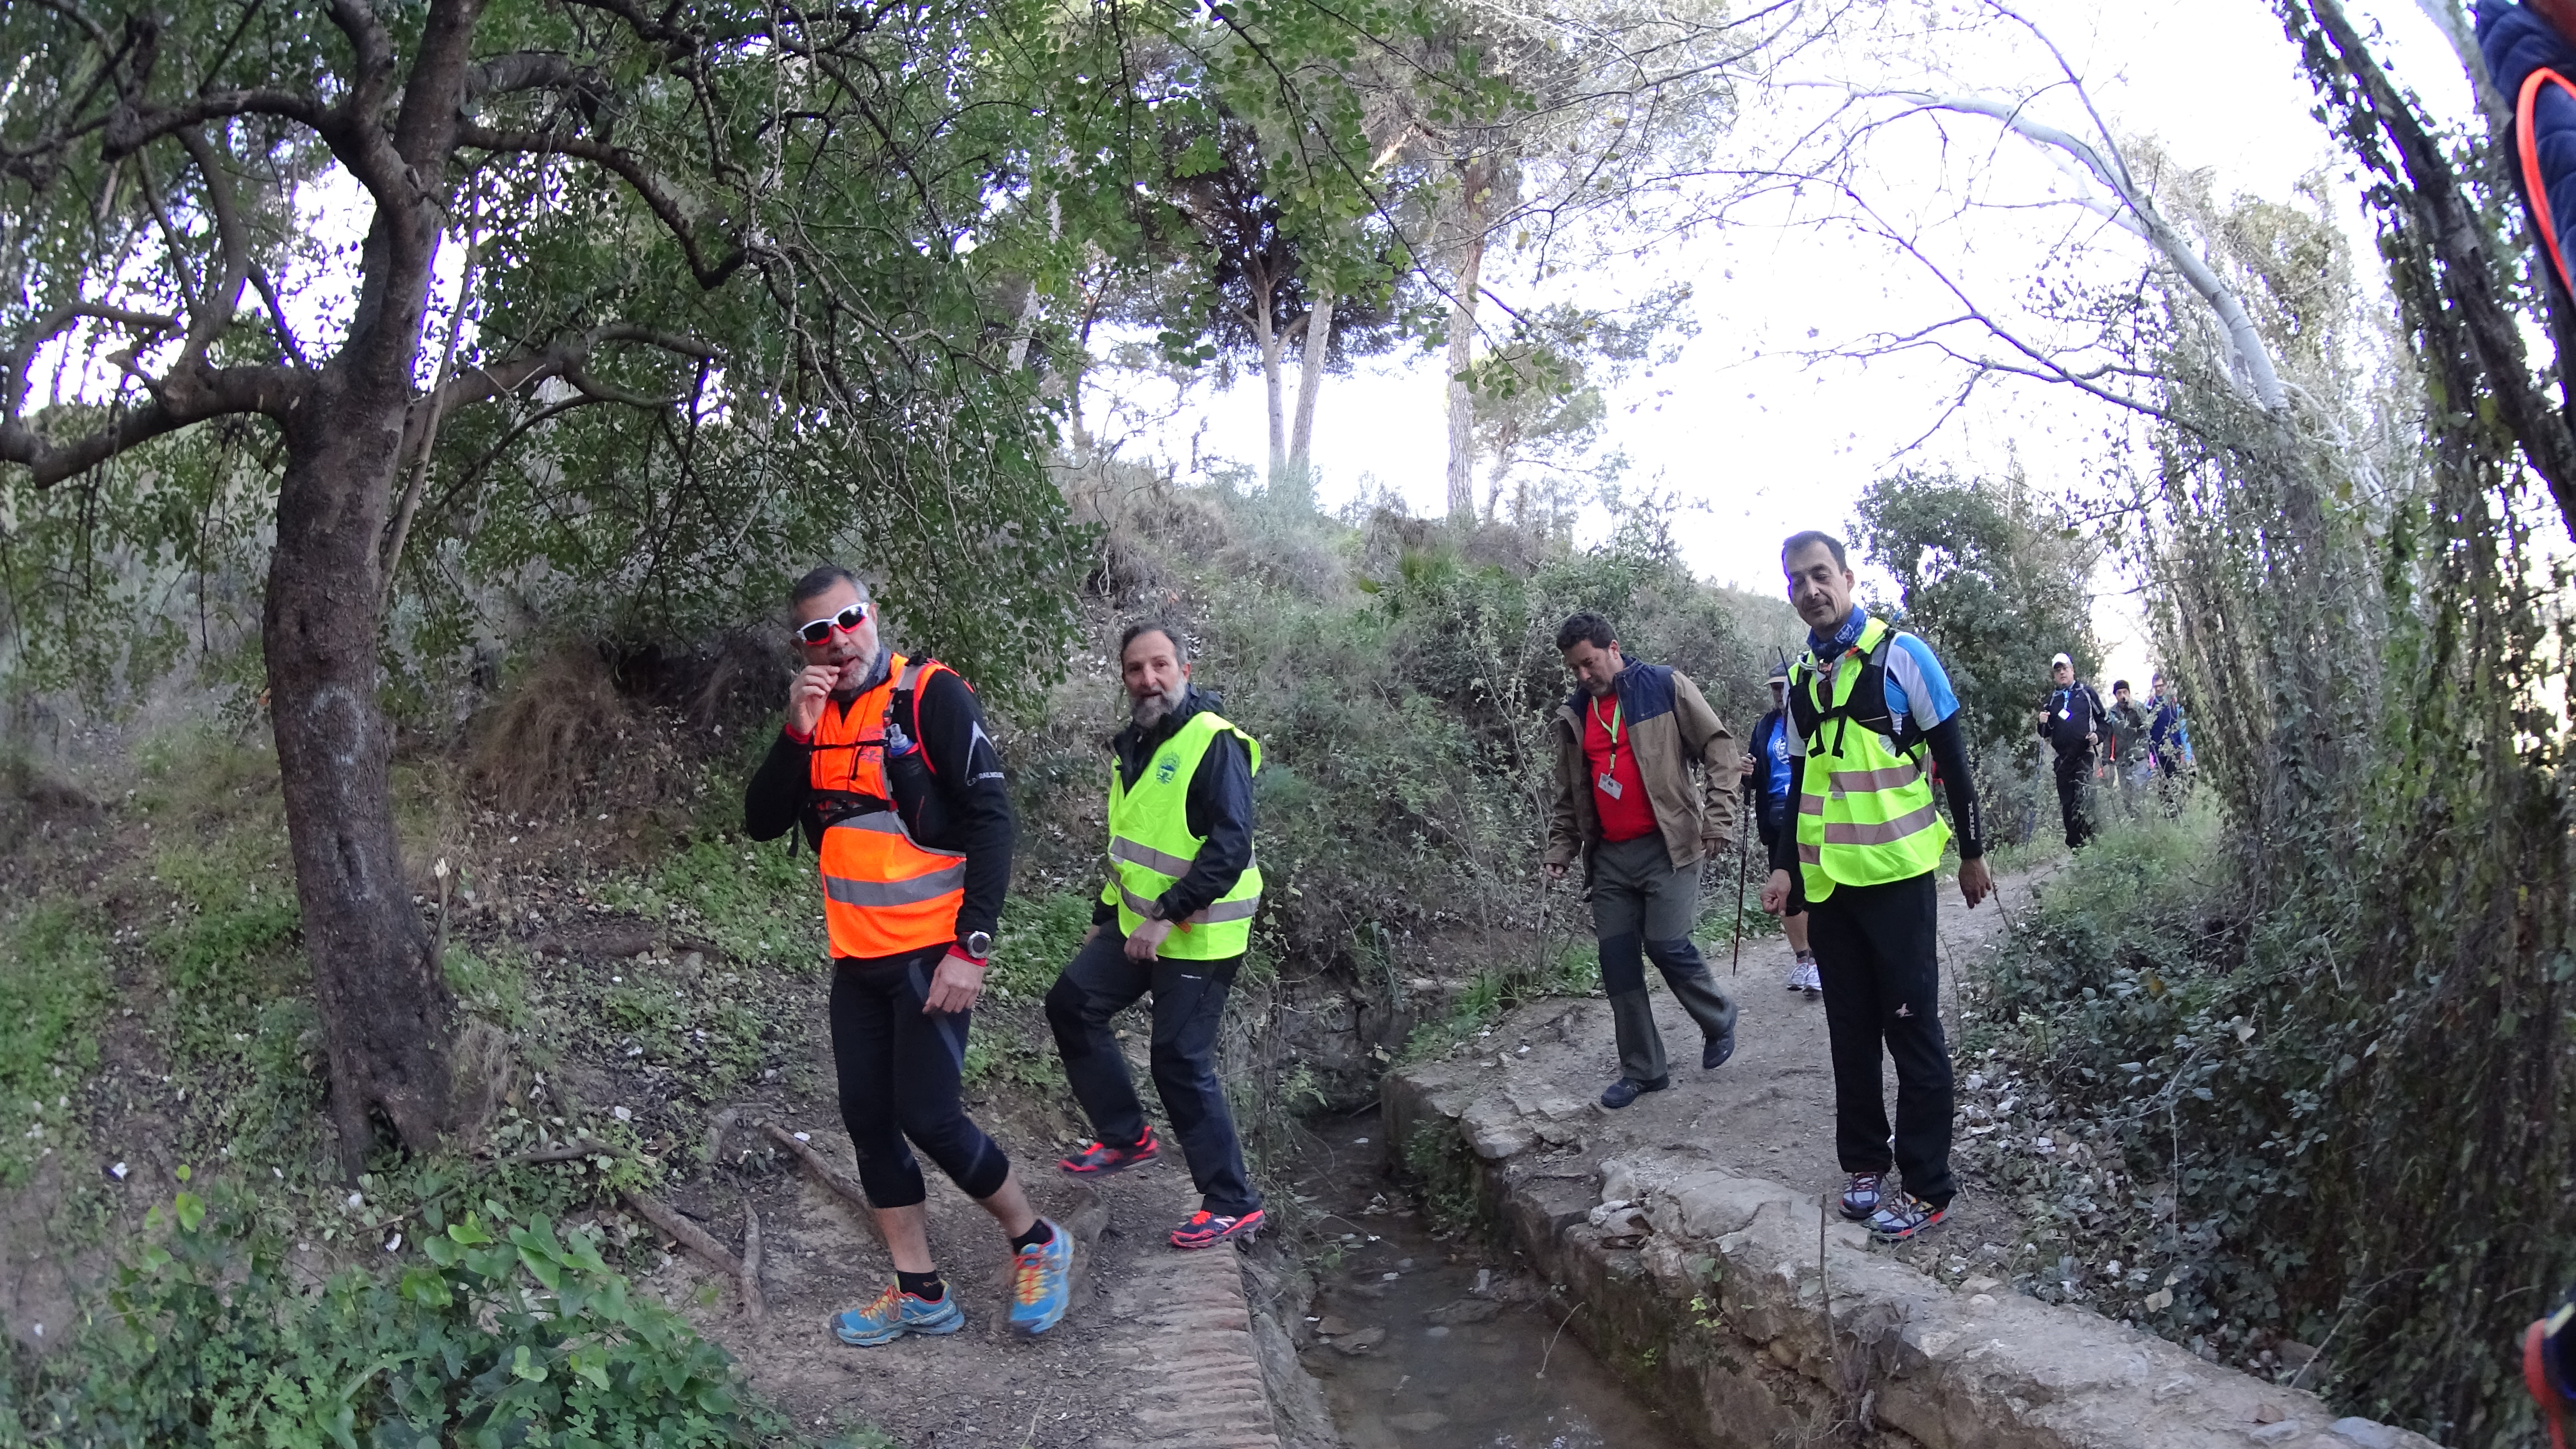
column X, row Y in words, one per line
column 560, row 735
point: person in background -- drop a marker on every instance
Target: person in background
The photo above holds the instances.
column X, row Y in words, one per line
column 1624, row 800
column 1174, row 921
column 1869, row 708
column 910, row 921
column 2168, row 741
column 2129, row 725
column 2071, row 722
column 1770, row 782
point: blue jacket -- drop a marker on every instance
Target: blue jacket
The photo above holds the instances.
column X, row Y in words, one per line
column 2517, row 42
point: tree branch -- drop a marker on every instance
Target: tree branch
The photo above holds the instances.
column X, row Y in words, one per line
column 178, row 402
column 50, row 326
column 222, row 297
column 650, row 189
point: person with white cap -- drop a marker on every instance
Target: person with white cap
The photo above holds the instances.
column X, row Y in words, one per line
column 2072, row 723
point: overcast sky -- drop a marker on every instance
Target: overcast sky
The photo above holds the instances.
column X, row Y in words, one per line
column 1763, row 443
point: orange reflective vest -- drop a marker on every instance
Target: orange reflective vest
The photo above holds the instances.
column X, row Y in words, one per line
column 883, row 895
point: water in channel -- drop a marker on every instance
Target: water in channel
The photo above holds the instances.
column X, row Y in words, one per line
column 1409, row 1353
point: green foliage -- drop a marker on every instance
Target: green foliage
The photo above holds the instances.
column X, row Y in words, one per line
column 1037, row 938
column 501, row 1332
column 1996, row 580
column 753, row 902
column 52, row 994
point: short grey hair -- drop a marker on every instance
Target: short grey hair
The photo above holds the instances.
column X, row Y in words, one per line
column 1143, row 627
column 819, row 580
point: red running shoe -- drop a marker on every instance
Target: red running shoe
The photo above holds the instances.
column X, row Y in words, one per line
column 1099, row 1159
column 1206, row 1230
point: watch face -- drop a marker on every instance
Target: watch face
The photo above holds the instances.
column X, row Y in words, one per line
column 979, row 943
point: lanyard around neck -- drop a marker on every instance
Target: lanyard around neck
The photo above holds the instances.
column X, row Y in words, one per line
column 1617, row 709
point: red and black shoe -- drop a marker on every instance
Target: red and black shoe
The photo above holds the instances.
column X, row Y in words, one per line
column 1099, row 1159
column 1205, row 1229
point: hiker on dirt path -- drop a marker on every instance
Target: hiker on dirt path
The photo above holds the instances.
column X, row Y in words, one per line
column 2072, row 722
column 1625, row 801
column 1770, row 784
column 2129, row 724
column 885, row 763
column 2168, row 735
column 1174, row 921
column 1867, row 705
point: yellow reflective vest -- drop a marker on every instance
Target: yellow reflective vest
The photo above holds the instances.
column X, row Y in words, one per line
column 1151, row 847
column 1865, row 810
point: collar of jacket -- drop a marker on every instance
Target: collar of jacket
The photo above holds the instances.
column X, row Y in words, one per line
column 1134, row 743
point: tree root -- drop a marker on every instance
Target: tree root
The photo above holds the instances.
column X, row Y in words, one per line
column 744, row 1271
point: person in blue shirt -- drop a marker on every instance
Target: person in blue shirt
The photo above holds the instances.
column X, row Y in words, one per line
column 1770, row 779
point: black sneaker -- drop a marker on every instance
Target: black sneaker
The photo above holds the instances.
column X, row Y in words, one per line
column 1626, row 1090
column 1862, row 1197
column 1714, row 1052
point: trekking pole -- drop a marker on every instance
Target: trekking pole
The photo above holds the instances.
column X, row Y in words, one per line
column 1736, row 965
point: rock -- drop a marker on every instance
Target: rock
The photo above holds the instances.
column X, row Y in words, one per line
column 2172, row 1389
column 2269, row 1414
column 2293, row 1352
column 2279, row 1433
column 1332, row 1326
column 1421, row 1423
column 1364, row 1341
column 1980, row 1284
column 2365, row 1433
column 1495, row 1132
column 1464, row 1311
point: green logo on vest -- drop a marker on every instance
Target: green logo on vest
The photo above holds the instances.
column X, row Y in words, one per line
column 1165, row 768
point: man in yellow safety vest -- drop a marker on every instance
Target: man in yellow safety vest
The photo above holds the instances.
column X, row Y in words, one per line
column 1867, row 705
column 1175, row 921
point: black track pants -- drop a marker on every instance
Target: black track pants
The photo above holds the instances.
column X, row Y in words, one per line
column 1189, row 1009
column 899, row 1068
column 1880, row 961
column 2074, row 785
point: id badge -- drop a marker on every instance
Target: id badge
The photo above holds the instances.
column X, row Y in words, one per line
column 1609, row 786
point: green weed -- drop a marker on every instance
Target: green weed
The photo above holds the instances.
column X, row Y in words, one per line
column 52, row 993
column 751, row 902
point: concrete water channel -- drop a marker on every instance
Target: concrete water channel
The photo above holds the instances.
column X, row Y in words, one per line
column 1433, row 1343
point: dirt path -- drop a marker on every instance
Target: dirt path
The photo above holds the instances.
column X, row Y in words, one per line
column 1157, row 1351
column 1769, row 1111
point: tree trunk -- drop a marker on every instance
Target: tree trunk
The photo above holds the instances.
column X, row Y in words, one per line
column 1310, row 379
column 1268, row 337
column 387, row 1015
column 388, row 1018
column 1462, row 339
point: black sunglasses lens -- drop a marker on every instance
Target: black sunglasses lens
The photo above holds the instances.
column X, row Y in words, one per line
column 816, row 632
column 851, row 617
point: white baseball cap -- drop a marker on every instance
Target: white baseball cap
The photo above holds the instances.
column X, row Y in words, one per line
column 2061, row 659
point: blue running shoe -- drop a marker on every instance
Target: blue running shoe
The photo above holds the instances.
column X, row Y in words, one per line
column 1042, row 1282
column 896, row 1313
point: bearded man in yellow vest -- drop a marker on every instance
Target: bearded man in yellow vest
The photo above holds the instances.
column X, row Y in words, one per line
column 885, row 763
column 1174, row 920
column 1867, row 706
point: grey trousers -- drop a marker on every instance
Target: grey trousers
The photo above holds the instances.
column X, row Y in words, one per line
column 1643, row 908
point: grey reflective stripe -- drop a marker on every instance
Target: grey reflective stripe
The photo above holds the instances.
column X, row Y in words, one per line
column 896, row 892
column 1121, row 848
column 911, row 676
column 1810, row 854
column 1811, row 804
column 1242, row 910
column 1887, row 779
column 875, row 822
column 1885, row 832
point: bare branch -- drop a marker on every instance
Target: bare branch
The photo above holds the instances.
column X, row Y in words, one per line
column 222, row 297
column 286, row 342
column 177, row 403
column 50, row 326
column 526, row 70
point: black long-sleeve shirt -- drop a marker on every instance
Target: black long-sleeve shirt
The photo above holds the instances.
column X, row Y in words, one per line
column 964, row 768
column 1967, row 818
column 1219, row 809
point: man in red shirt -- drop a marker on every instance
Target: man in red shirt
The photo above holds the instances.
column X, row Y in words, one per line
column 1626, row 802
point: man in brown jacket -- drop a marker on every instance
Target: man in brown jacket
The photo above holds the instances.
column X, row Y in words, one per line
column 1625, row 800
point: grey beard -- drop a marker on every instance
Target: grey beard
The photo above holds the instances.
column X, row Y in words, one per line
column 875, row 676
column 1148, row 711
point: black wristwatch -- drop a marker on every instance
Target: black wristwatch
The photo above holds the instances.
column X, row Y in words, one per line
column 978, row 945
